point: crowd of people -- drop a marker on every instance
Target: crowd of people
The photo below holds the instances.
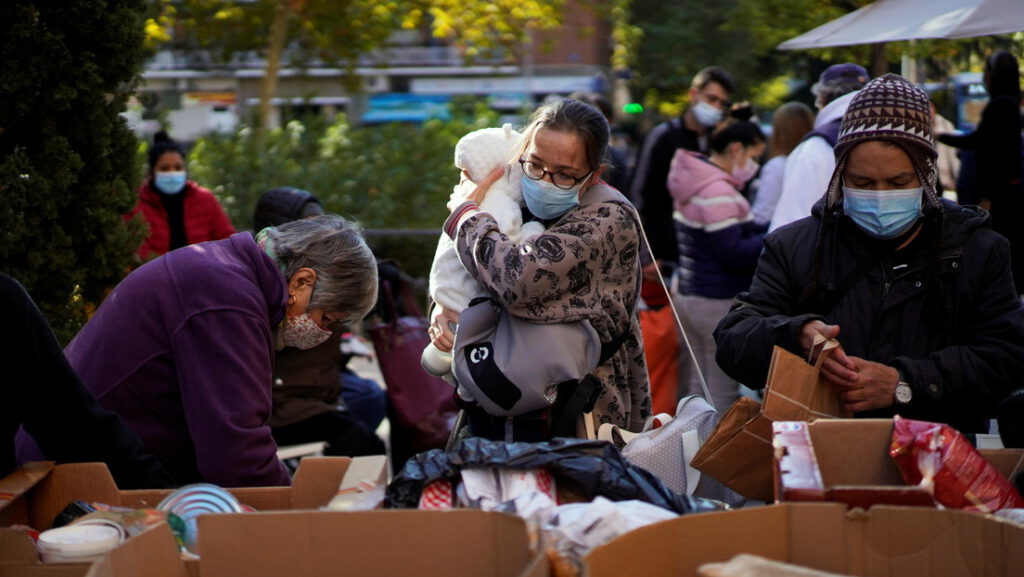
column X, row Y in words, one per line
column 838, row 224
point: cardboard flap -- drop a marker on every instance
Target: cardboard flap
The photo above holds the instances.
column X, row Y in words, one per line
column 855, row 452
column 152, row 553
column 678, row 546
column 69, row 482
column 317, row 481
column 383, row 543
column 16, row 547
column 1009, row 462
column 13, row 487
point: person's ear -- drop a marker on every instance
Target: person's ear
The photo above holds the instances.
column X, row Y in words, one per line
column 300, row 290
column 735, row 150
column 594, row 177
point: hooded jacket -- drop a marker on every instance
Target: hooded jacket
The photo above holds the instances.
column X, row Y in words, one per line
column 943, row 310
column 718, row 241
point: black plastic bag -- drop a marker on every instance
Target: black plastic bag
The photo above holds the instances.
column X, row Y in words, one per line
column 592, row 468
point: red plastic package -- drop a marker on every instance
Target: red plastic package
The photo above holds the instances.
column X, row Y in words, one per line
column 940, row 459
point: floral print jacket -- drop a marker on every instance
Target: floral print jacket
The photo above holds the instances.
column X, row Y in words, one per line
column 584, row 266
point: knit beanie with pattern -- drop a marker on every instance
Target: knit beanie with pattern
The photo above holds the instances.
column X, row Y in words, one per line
column 888, row 108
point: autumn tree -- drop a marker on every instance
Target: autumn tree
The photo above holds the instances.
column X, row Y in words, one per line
column 67, row 159
column 339, row 32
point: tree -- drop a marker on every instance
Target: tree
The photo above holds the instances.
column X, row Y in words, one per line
column 340, row 32
column 67, row 159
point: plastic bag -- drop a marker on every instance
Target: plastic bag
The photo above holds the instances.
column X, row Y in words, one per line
column 940, row 459
column 592, row 468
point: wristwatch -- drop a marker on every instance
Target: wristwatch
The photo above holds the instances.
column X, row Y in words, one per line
column 903, row 392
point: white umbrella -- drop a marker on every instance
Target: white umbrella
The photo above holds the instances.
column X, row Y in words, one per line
column 891, row 20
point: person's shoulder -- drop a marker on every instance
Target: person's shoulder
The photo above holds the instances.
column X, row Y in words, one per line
column 194, row 188
column 796, row 234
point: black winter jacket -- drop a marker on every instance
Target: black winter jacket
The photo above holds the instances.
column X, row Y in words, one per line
column 945, row 314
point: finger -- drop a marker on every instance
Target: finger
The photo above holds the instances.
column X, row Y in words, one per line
column 484, row 185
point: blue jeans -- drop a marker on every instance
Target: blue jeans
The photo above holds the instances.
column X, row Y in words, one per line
column 364, row 398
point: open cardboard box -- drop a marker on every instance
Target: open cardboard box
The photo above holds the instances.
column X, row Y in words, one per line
column 35, row 493
column 288, row 535
column 882, row 541
column 847, row 460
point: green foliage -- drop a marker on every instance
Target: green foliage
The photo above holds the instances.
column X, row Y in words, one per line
column 680, row 38
column 67, row 159
column 389, row 176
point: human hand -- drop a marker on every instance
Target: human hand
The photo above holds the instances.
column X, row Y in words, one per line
column 864, row 385
column 464, row 192
column 442, row 328
column 814, row 329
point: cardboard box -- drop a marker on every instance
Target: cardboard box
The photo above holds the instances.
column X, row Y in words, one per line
column 288, row 536
column 847, row 461
column 883, row 541
column 35, row 493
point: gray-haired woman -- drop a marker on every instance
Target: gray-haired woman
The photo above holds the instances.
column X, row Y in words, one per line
column 584, row 266
column 182, row 349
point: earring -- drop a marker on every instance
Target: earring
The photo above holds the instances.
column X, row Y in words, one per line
column 291, row 299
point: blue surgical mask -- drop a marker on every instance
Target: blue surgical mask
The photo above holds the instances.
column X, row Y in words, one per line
column 547, row 201
column 170, row 182
column 883, row 213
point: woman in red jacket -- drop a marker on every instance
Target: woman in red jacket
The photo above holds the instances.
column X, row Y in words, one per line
column 179, row 211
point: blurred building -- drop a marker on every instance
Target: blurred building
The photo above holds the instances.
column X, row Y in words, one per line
column 411, row 79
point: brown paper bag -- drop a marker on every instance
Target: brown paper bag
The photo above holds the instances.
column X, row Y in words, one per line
column 738, row 453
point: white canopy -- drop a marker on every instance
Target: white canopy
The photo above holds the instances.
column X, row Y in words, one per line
column 891, row 20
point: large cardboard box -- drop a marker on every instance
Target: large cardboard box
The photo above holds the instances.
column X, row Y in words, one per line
column 880, row 542
column 288, row 535
column 35, row 493
column 847, row 460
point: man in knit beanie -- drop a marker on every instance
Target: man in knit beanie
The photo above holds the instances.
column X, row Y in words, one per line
column 916, row 289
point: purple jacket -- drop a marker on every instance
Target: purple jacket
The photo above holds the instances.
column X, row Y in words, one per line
column 182, row 350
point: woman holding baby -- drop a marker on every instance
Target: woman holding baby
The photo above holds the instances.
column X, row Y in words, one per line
column 585, row 265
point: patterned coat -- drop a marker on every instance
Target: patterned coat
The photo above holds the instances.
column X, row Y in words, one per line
column 584, row 266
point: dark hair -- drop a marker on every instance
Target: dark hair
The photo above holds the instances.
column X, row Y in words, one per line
column 737, row 128
column 1002, row 75
column 162, row 143
column 596, row 100
column 712, row 74
column 790, row 123
column 285, row 204
column 568, row 115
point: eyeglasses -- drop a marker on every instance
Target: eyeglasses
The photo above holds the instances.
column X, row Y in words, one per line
column 559, row 179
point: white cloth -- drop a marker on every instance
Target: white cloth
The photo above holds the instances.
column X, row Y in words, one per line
column 478, row 153
column 808, row 169
column 769, row 187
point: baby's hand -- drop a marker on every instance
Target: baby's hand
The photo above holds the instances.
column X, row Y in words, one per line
column 465, row 192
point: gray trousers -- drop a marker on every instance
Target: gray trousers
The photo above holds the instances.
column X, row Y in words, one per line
column 699, row 317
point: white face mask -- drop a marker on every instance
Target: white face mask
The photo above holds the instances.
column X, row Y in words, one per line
column 302, row 332
column 706, row 114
